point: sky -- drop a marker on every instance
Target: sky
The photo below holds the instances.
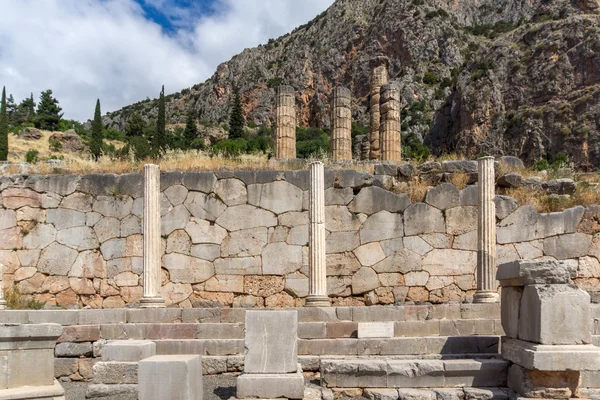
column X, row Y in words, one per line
column 122, row 51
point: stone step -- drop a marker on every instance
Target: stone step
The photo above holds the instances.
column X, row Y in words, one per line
column 490, row 393
column 391, row 373
column 205, row 347
column 443, row 345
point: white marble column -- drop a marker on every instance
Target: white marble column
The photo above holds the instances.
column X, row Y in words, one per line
column 2, row 301
column 317, row 266
column 152, row 246
column 487, row 288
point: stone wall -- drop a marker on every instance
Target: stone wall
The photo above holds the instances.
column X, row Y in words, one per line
column 240, row 239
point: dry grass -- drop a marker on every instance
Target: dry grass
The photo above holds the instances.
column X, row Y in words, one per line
column 459, row 179
column 416, row 190
column 585, row 195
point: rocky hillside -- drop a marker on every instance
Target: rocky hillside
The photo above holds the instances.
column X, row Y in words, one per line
column 494, row 76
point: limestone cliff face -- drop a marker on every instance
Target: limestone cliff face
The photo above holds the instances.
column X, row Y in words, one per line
column 501, row 76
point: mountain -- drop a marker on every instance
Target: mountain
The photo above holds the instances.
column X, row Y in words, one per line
column 517, row 77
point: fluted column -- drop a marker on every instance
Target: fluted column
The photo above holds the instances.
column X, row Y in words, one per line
column 317, row 266
column 2, row 301
column 379, row 77
column 487, row 288
column 341, row 124
column 152, row 245
column 389, row 128
column 285, row 123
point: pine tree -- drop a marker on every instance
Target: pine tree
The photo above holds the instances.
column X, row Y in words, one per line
column 30, row 108
column 135, row 126
column 159, row 142
column 96, row 143
column 191, row 129
column 11, row 108
column 48, row 112
column 236, row 119
column 3, row 128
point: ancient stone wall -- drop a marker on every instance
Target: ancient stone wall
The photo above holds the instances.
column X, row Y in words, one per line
column 240, row 238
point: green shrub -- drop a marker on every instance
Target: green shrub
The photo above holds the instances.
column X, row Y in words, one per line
column 430, row 78
column 55, row 145
column 32, row 156
column 274, row 82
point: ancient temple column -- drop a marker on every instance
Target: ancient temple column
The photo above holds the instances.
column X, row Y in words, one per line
column 317, row 266
column 152, row 245
column 341, row 124
column 389, row 128
column 379, row 77
column 285, row 123
column 487, row 288
column 2, row 301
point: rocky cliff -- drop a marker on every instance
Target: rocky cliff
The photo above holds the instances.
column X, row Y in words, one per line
column 496, row 76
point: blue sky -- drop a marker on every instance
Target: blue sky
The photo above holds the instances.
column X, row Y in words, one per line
column 122, row 51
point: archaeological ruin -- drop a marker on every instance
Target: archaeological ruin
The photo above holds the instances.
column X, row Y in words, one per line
column 324, row 282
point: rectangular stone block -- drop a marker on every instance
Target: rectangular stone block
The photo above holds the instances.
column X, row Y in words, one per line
column 417, row 328
column 467, row 327
column 123, row 331
column 220, row 331
column 205, row 315
column 476, row 373
column 317, row 314
column 170, row 377
column 480, row 311
column 375, row 330
column 408, row 373
column 128, row 350
column 65, row 366
column 206, row 347
column 417, row 313
column 93, row 317
column 14, row 317
column 342, row 330
column 542, row 384
column 511, row 306
column 555, row 314
column 551, row 357
column 531, row 272
column 116, row 372
column 68, row 349
column 271, row 342
column 429, row 345
column 171, row 331
column 17, row 368
column 332, row 347
column 377, row 314
column 312, row 330
column 154, row 315
column 80, row 333
column 121, row 392
column 270, row 386
column 61, row 317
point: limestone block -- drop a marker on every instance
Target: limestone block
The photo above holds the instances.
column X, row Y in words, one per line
column 450, row 262
column 114, row 248
column 175, row 219
column 443, row 197
column 170, row 377
column 344, row 264
column 246, row 217
column 375, row 330
column 338, row 218
column 176, row 194
column 338, row 197
column 297, row 285
column 186, row 269
column 422, row 218
column 78, row 201
column 551, row 357
column 364, row 280
column 271, row 386
column 174, row 293
column 370, row 254
column 203, row 182
column 402, row 261
column 203, row 206
column 341, row 242
column 530, row 250
column 417, row 245
column 281, row 259
column 568, row 246
column 298, row 235
column 79, row 238
column 115, row 373
column 39, row 237
column 244, row 243
column 382, row 226
column 107, row 228
column 550, row 224
column 231, row 191
column 555, row 315
column 293, row 218
column 572, row 218
column 278, row 197
column 113, row 206
column 519, row 226
column 208, row 252
column 15, row 198
column 373, row 199
column 128, row 350
column 271, row 342
column 238, row 266
column 63, row 218
column 8, row 219
column 131, row 225
column 68, row 349
column 179, row 242
column 56, row 259
column 461, row 220
column 202, row 231
column 542, row 384
column 527, row 272
column 511, row 304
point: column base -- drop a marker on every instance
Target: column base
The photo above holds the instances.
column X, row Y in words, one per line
column 152, row 302
column 486, row 296
column 317, row 301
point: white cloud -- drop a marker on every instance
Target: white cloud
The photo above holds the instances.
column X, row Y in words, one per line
column 107, row 49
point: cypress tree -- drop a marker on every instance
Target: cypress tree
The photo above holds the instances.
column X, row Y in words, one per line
column 48, row 112
column 11, row 108
column 191, row 129
column 159, row 143
column 96, row 143
column 3, row 128
column 236, row 119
